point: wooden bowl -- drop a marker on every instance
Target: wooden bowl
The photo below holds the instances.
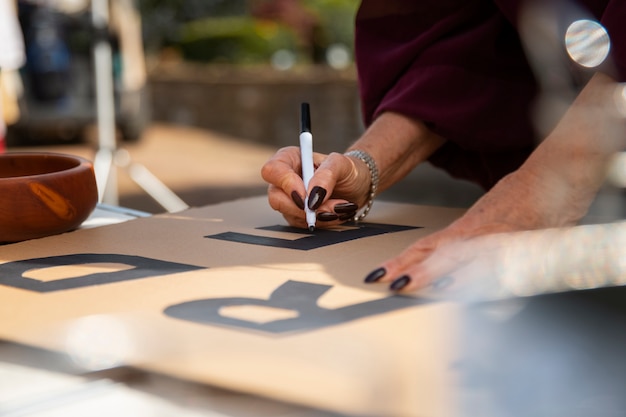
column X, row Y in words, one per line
column 43, row 194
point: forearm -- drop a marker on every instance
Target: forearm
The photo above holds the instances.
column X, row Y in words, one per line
column 398, row 144
column 573, row 159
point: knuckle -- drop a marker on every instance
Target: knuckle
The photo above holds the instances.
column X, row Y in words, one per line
column 267, row 171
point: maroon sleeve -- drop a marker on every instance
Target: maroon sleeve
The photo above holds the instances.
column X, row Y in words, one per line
column 459, row 66
column 613, row 18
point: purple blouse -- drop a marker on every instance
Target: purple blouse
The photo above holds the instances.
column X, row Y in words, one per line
column 460, row 67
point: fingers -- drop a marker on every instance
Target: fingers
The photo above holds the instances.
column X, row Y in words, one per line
column 333, row 189
column 283, row 172
column 406, row 271
column 439, row 259
column 434, row 269
column 282, row 203
column 339, row 175
column 425, row 263
column 286, row 192
column 338, row 212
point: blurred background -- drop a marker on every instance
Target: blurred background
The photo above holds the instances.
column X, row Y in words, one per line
column 205, row 91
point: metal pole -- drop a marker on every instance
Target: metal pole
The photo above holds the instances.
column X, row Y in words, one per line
column 106, row 175
column 109, row 157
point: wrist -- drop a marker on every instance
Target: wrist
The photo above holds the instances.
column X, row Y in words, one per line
column 397, row 143
column 374, row 180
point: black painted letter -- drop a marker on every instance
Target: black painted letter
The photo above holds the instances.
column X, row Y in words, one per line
column 11, row 273
column 292, row 295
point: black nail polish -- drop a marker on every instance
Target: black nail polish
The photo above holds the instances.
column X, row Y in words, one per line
column 400, row 283
column 347, row 216
column 326, row 217
column 316, row 198
column 297, row 200
column 375, row 275
column 345, row 208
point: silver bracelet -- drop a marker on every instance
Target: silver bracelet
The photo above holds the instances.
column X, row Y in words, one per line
column 371, row 164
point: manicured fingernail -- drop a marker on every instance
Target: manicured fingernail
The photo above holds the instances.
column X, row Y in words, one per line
column 297, row 200
column 316, row 198
column 345, row 208
column 327, row 217
column 400, row 283
column 347, row 216
column 375, row 275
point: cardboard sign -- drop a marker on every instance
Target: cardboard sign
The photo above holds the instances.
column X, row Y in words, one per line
column 229, row 295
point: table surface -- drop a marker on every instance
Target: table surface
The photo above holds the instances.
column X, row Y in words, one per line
column 351, row 361
column 40, row 383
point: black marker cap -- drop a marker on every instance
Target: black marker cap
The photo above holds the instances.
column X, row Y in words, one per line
column 305, row 118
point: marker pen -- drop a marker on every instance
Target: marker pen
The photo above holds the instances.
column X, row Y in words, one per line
column 306, row 155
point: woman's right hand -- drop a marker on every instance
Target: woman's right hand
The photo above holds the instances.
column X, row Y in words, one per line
column 339, row 186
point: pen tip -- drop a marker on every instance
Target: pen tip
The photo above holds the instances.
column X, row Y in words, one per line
column 311, row 228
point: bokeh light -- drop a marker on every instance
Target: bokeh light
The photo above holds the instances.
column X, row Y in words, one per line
column 283, row 59
column 587, row 42
column 338, row 56
column 99, row 342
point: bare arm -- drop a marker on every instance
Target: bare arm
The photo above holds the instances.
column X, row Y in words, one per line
column 398, row 144
column 553, row 188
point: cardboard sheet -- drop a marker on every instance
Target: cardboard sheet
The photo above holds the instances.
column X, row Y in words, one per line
column 230, row 296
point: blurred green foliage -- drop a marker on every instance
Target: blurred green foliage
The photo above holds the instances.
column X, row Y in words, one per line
column 336, row 18
column 234, row 39
column 226, row 31
column 163, row 19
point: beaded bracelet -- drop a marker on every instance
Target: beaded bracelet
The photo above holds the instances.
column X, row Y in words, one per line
column 371, row 164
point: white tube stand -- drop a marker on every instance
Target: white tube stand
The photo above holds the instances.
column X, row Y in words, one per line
column 108, row 157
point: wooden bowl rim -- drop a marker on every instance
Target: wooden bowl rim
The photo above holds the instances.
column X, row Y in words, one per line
column 81, row 163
